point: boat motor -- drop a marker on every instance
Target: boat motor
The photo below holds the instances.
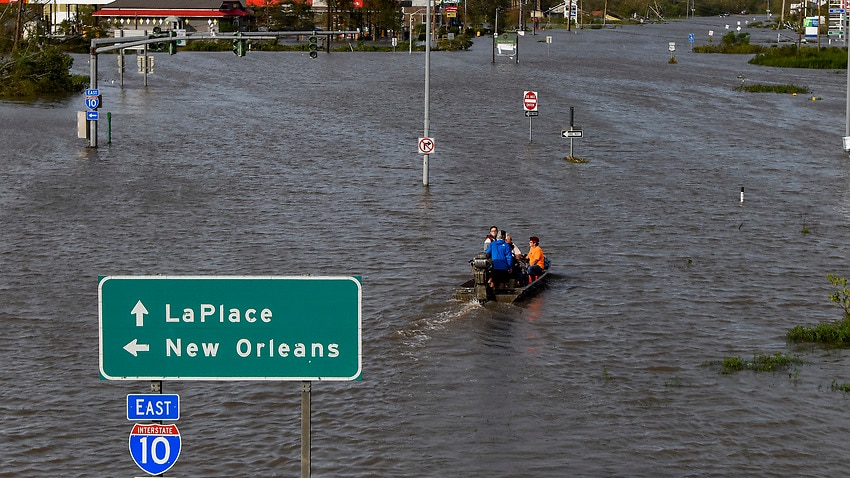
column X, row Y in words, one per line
column 481, row 267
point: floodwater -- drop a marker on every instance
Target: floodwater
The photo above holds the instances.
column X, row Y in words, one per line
column 276, row 164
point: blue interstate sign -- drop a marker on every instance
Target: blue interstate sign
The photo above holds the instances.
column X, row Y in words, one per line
column 154, row 447
column 153, row 406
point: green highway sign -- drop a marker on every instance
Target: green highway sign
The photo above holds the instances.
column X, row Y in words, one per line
column 229, row 328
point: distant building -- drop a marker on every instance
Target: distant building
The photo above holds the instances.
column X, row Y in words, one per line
column 58, row 11
column 55, row 12
column 191, row 15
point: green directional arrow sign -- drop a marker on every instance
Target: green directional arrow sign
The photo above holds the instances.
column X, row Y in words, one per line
column 229, row 328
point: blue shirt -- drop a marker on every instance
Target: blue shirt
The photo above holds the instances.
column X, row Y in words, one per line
column 501, row 254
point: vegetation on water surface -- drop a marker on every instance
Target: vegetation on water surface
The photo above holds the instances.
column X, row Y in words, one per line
column 734, row 43
column 760, row 88
column 38, row 71
column 760, row 363
column 574, row 159
column 835, row 334
column 789, row 56
column 840, row 387
column 841, row 297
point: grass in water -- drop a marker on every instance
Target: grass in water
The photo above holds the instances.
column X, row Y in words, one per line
column 840, row 387
column 834, row 334
column 759, row 88
column 829, row 333
column 760, row 363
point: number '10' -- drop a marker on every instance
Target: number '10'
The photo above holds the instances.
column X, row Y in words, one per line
column 155, row 456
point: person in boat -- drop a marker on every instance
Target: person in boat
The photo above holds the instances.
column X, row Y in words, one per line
column 536, row 259
column 494, row 231
column 519, row 268
column 502, row 256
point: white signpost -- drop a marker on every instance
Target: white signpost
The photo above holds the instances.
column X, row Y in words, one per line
column 529, row 105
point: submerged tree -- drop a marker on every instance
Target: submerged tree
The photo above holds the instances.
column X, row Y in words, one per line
column 34, row 70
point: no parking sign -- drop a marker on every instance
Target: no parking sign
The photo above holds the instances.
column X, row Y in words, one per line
column 154, row 447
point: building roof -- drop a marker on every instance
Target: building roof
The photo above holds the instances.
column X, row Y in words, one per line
column 169, row 4
column 177, row 8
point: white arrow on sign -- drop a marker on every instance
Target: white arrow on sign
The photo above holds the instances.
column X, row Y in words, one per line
column 139, row 311
column 134, row 347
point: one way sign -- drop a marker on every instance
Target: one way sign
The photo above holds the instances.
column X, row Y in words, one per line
column 571, row 133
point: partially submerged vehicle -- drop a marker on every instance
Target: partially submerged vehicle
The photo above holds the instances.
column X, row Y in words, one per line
column 478, row 288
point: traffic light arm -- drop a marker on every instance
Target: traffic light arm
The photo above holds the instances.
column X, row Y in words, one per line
column 105, row 45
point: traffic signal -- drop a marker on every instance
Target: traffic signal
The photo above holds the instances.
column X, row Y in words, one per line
column 314, row 46
column 172, row 45
column 240, row 46
column 157, row 33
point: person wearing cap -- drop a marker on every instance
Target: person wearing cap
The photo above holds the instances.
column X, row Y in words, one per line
column 536, row 259
column 519, row 268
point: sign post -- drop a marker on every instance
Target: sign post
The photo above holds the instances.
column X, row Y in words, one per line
column 229, row 328
column 153, row 406
column 573, row 132
column 426, row 145
column 154, row 447
column 529, row 104
column 223, row 328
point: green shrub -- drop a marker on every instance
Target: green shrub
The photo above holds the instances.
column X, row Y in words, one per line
column 831, row 333
column 789, row 56
column 43, row 71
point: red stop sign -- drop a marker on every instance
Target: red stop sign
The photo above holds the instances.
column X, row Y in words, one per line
column 529, row 101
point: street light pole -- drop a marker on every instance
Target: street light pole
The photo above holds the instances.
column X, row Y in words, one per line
column 411, row 29
column 427, row 88
column 847, row 108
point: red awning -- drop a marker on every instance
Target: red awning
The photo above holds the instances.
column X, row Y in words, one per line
column 263, row 3
column 171, row 12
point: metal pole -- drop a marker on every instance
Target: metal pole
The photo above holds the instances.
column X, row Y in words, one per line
column 145, row 64
column 495, row 33
column 847, row 108
column 93, row 85
column 427, row 88
column 520, row 14
column 305, row 429
column 516, row 49
column 529, row 128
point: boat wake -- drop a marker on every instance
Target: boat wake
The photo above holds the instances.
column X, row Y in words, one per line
column 421, row 330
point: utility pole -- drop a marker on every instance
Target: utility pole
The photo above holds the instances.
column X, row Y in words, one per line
column 18, row 25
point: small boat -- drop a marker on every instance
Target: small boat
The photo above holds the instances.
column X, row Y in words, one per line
column 477, row 288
